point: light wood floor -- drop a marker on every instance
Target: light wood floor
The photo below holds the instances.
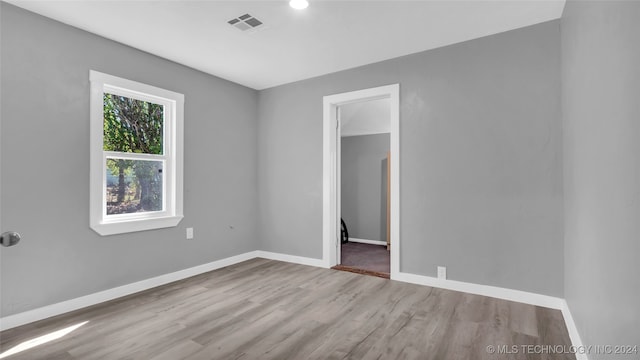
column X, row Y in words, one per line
column 264, row 309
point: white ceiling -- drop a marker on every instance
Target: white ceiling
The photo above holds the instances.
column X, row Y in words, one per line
column 294, row 45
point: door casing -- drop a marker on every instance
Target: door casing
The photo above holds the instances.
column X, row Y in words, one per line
column 330, row 172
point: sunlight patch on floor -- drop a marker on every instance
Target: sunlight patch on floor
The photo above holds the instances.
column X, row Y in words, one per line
column 29, row 344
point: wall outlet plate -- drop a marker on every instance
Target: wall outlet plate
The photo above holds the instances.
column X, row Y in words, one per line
column 189, row 233
column 442, row 272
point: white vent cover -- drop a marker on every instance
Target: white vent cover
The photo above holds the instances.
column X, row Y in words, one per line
column 246, row 22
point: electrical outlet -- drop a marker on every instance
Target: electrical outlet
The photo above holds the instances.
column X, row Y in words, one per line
column 442, row 272
column 189, row 233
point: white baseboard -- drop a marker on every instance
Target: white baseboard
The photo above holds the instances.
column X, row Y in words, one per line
column 48, row 311
column 110, row 294
column 485, row 290
column 365, row 241
column 290, row 258
column 573, row 331
column 44, row 312
column 506, row 294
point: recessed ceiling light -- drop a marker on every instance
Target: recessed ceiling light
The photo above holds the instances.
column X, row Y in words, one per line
column 299, row 4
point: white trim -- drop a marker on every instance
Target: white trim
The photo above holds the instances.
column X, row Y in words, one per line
column 139, row 224
column 44, row 312
column 129, row 85
column 172, row 157
column 484, row 290
column 48, row 311
column 290, row 258
column 505, row 294
column 573, row 331
column 336, row 178
column 329, row 203
column 365, row 241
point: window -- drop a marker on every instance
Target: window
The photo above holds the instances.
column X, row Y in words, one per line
column 136, row 155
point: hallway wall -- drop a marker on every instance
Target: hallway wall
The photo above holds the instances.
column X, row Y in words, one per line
column 601, row 119
column 364, row 185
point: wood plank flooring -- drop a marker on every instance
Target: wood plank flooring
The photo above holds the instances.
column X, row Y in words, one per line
column 264, row 309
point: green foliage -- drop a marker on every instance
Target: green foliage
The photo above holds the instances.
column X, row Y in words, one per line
column 150, row 182
column 114, row 166
column 134, row 126
column 138, row 188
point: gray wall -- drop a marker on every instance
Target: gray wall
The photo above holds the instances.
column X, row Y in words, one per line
column 601, row 119
column 480, row 160
column 45, row 166
column 480, row 163
column 364, row 185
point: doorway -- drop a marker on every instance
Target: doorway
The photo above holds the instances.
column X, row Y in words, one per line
column 364, row 152
column 332, row 172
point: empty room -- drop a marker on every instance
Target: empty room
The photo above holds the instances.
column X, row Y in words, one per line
column 320, row 179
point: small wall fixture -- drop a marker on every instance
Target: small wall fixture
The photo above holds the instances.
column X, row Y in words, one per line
column 299, row 4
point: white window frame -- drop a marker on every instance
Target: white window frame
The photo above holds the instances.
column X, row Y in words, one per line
column 172, row 157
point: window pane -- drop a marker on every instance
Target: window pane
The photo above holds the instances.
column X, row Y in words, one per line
column 132, row 125
column 134, row 186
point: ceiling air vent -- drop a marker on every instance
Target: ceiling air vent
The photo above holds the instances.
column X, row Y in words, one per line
column 246, row 22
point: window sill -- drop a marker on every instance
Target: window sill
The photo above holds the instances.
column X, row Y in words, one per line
column 127, row 226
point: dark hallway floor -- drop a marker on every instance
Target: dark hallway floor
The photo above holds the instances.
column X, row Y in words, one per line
column 371, row 258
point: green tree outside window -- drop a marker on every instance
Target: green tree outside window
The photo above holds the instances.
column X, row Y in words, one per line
column 133, row 126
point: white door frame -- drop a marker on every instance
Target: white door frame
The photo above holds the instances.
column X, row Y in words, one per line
column 330, row 224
